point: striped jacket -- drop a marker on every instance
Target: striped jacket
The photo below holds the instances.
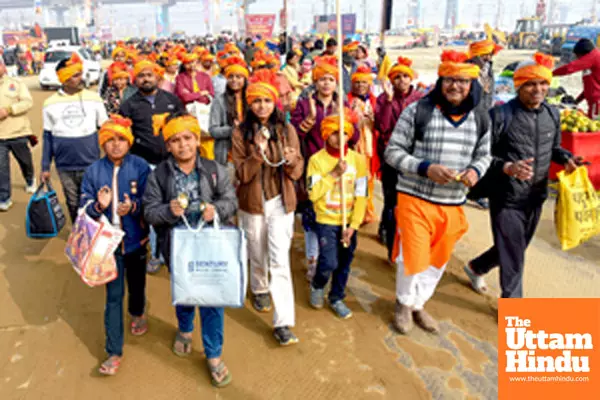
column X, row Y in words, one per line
column 456, row 147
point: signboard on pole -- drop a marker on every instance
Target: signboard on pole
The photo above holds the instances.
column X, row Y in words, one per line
column 260, row 24
column 328, row 24
column 283, row 19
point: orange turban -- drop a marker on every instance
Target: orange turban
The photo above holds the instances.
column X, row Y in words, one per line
column 454, row 64
column 538, row 68
column 263, row 84
column 326, row 65
column 231, row 48
column 264, row 59
column 73, row 66
column 402, row 66
column 331, row 124
column 188, row 58
column 363, row 73
column 207, row 57
column 172, row 61
column 235, row 65
column 174, row 126
column 115, row 126
column 143, row 65
column 118, row 70
column 352, row 46
column 482, row 48
column 118, row 50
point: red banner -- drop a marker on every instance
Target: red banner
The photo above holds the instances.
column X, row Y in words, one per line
column 260, row 24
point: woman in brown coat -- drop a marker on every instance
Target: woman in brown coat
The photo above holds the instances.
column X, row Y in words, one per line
column 266, row 154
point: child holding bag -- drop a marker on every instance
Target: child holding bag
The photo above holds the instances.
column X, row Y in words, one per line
column 113, row 186
column 188, row 185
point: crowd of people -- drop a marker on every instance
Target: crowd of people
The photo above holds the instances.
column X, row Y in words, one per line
column 271, row 147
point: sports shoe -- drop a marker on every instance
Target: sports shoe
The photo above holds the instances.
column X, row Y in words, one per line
column 477, row 281
column 153, row 266
column 6, row 205
column 262, row 302
column 285, row 336
column 30, row 189
column 317, row 297
column 341, row 309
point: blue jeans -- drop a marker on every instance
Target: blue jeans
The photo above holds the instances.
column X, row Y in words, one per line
column 212, row 321
column 334, row 261
column 19, row 147
column 133, row 267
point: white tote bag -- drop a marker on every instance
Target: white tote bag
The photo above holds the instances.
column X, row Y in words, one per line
column 201, row 112
column 208, row 266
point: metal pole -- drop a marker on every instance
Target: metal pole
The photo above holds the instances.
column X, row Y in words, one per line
column 341, row 96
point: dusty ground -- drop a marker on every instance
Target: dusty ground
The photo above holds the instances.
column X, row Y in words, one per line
column 51, row 326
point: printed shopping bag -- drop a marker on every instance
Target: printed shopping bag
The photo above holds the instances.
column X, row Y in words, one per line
column 91, row 247
column 208, row 266
column 44, row 217
column 577, row 213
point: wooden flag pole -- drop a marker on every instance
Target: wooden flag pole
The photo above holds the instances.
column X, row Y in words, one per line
column 341, row 95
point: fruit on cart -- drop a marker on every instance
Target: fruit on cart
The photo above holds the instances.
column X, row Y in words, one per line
column 573, row 120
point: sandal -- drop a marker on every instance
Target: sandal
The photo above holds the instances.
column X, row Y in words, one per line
column 185, row 342
column 110, row 366
column 139, row 325
column 218, row 371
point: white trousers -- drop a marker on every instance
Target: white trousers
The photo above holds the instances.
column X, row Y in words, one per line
column 415, row 290
column 269, row 241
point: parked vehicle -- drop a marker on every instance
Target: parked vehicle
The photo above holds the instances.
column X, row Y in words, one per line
column 526, row 33
column 92, row 71
column 552, row 38
column 591, row 32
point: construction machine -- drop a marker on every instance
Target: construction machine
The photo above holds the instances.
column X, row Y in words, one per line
column 526, row 33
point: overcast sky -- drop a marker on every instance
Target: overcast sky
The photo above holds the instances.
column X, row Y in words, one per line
column 135, row 20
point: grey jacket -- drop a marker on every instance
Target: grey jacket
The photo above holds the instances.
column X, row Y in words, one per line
column 219, row 129
column 160, row 190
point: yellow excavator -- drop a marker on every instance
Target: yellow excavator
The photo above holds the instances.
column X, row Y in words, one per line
column 496, row 35
column 526, row 34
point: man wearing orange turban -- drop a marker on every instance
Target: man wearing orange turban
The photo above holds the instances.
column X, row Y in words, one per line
column 363, row 101
column 530, row 134
column 440, row 147
column 481, row 54
column 398, row 94
column 149, row 100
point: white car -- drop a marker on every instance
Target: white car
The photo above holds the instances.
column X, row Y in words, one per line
column 92, row 70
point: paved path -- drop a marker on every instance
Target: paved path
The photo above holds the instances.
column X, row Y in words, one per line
column 51, row 327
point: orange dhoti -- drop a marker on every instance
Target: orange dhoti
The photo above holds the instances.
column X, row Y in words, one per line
column 426, row 233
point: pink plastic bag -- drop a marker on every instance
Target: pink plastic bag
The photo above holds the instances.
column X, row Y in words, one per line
column 91, row 247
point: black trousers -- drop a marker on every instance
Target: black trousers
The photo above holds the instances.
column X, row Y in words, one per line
column 389, row 179
column 513, row 229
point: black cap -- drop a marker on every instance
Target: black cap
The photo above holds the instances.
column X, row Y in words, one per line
column 583, row 47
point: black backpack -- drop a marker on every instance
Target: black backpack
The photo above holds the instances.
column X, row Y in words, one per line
column 505, row 113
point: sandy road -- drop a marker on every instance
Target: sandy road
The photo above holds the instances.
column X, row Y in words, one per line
column 51, row 329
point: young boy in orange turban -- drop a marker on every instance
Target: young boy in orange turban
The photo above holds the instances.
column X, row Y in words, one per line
column 113, row 186
column 337, row 243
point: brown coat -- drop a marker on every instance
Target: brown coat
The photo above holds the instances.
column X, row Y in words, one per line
column 251, row 170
